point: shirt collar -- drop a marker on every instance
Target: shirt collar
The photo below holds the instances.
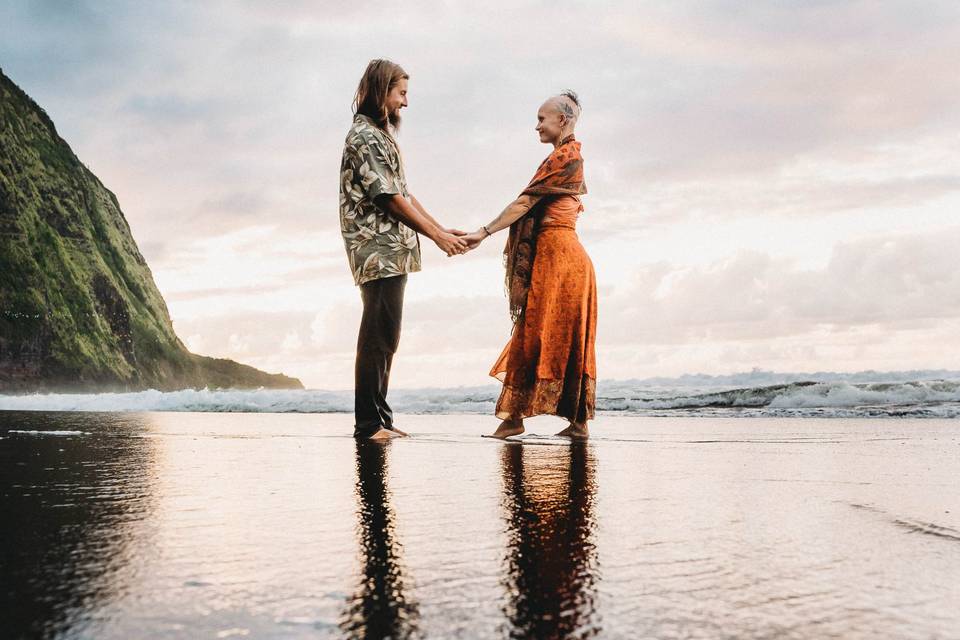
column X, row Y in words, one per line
column 359, row 117
column 363, row 118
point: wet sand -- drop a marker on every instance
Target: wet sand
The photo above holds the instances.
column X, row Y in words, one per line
column 174, row 525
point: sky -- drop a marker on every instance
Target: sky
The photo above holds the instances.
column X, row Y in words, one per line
column 772, row 185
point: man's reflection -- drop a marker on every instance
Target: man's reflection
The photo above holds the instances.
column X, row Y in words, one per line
column 378, row 607
column 551, row 562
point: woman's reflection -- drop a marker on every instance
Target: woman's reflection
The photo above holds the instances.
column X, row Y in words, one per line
column 551, row 563
column 378, row 607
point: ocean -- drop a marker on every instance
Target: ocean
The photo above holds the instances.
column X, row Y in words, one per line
column 747, row 395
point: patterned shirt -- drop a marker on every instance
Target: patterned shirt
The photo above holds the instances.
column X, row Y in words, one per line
column 378, row 245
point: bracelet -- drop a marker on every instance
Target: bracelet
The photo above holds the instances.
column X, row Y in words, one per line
column 486, row 231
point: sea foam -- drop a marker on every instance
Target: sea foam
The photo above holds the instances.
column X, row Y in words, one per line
column 920, row 398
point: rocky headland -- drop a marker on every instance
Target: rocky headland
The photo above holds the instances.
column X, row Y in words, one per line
column 79, row 309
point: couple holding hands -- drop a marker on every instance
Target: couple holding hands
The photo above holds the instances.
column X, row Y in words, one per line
column 549, row 363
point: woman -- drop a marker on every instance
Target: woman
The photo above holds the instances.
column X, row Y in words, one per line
column 549, row 365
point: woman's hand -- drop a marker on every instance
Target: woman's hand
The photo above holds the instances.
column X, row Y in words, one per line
column 474, row 239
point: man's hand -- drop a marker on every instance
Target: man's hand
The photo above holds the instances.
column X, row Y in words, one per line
column 456, row 232
column 449, row 243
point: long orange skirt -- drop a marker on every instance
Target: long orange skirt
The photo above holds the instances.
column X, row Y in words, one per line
column 550, row 364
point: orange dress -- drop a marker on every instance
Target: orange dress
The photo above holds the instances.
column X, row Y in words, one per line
column 550, row 364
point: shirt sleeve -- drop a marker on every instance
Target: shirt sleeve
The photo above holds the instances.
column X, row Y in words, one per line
column 371, row 169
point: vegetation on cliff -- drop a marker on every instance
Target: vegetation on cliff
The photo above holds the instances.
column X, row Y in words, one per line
column 79, row 309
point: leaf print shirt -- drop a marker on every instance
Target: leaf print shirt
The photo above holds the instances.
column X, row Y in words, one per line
column 378, row 245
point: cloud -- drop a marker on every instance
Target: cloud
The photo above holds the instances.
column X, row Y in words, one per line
column 237, row 202
column 291, row 342
column 250, row 268
column 892, row 283
column 238, row 345
column 885, row 303
column 172, row 108
column 440, row 336
column 794, row 167
column 691, row 102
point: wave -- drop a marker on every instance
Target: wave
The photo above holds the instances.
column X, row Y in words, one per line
column 919, row 398
column 204, row 400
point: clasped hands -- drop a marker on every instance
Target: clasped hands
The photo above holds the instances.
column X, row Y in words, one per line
column 456, row 242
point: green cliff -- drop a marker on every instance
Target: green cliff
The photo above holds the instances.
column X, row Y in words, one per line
column 79, row 309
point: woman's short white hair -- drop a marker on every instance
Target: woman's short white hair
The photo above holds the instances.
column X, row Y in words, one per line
column 568, row 103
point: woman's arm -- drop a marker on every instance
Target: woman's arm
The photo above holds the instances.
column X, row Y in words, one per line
column 513, row 212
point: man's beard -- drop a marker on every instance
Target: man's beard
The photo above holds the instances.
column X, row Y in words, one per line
column 394, row 119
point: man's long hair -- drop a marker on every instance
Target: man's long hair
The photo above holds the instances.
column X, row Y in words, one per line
column 370, row 100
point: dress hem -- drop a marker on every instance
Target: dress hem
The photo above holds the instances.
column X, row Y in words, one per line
column 547, row 397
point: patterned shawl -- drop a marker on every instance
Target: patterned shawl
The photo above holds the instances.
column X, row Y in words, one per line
column 560, row 174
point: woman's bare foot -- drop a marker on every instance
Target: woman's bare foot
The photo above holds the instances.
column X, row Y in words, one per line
column 507, row 428
column 576, row 430
column 384, row 434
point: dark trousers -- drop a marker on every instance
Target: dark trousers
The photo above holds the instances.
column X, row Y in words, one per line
column 376, row 344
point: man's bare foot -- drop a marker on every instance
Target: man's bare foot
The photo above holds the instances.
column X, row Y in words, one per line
column 506, row 429
column 576, row 430
column 383, row 434
column 398, row 431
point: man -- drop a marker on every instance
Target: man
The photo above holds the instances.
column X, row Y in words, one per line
column 379, row 220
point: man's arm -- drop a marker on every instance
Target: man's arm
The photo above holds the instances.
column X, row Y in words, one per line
column 421, row 222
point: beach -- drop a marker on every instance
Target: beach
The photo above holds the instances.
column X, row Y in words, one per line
column 213, row 525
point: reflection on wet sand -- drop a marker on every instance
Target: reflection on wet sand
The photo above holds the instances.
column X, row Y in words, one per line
column 379, row 608
column 203, row 526
column 73, row 505
column 551, row 561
